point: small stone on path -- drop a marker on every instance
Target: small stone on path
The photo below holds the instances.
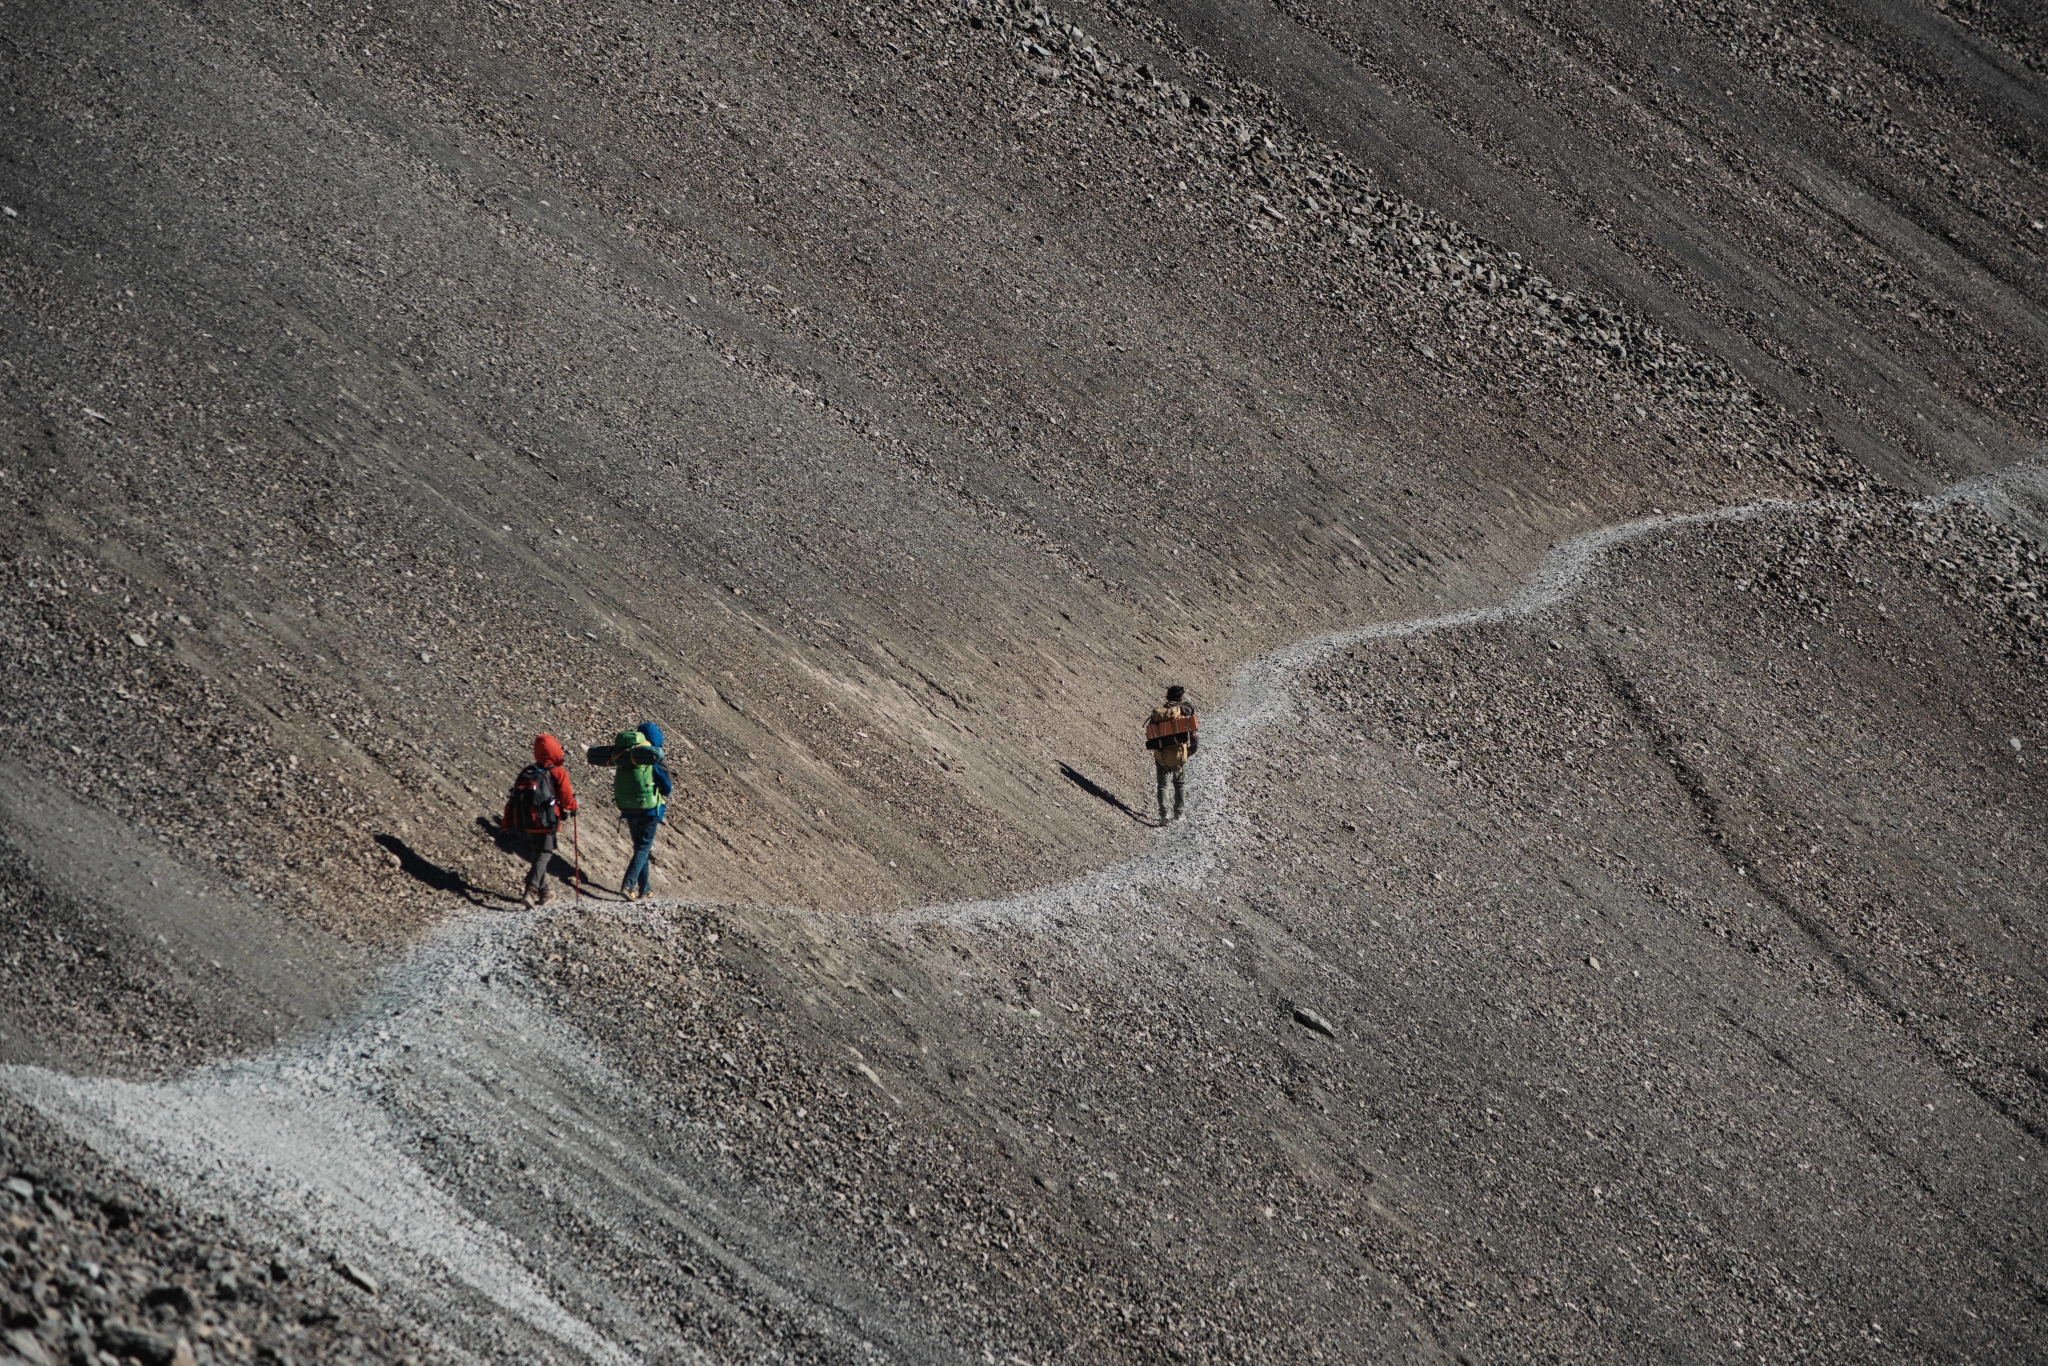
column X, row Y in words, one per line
column 356, row 1276
column 1308, row 1019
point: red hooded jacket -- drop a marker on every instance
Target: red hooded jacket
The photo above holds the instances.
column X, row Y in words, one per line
column 547, row 752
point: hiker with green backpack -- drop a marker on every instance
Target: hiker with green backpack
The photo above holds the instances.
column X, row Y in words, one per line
column 640, row 787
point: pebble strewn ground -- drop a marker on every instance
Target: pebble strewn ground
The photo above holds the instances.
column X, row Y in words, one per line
column 100, row 1269
column 1533, row 1017
column 889, row 399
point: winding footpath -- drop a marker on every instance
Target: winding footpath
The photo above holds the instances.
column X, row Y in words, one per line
column 315, row 1144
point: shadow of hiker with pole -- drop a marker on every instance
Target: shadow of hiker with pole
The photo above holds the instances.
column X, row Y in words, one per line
column 514, row 843
column 424, row 870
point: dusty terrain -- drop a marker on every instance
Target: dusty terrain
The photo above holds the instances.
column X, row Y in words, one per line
column 1609, row 1073
column 152, row 1281
column 889, row 401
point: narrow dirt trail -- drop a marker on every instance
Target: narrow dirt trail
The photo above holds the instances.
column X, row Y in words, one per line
column 1261, row 695
column 321, row 1143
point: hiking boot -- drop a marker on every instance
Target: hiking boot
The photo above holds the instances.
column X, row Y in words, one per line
column 526, row 899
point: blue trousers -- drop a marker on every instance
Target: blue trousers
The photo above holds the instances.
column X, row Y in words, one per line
column 644, row 825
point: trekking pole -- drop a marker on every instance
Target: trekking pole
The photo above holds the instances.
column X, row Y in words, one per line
column 576, row 843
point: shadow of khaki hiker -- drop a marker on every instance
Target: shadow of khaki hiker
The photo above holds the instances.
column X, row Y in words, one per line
column 1101, row 793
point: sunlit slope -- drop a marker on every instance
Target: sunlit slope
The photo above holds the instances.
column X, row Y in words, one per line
column 862, row 397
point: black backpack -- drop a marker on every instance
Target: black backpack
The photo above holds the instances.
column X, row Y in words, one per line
column 531, row 807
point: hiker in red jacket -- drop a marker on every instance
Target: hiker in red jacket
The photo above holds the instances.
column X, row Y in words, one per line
column 542, row 798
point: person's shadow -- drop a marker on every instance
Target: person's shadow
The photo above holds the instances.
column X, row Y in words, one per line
column 1101, row 793
column 424, row 870
column 514, row 843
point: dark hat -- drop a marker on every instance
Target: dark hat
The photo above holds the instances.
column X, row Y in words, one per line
column 1176, row 693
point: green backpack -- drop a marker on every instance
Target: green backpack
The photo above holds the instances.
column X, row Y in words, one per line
column 633, row 784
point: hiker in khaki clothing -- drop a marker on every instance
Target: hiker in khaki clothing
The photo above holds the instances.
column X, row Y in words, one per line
column 1170, row 735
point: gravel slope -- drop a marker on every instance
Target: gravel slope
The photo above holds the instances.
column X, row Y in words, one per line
column 100, row 1262
column 889, row 400
column 1251, row 1097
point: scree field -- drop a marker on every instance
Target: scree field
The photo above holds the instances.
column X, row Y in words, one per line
column 1584, row 462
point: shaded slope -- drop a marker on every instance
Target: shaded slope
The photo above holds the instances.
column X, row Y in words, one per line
column 1845, row 201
